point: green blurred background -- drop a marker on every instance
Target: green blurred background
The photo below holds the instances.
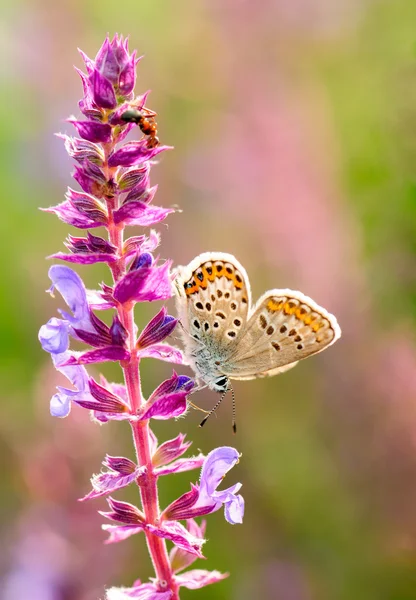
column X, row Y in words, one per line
column 294, row 126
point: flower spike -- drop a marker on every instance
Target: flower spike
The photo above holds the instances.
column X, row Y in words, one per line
column 113, row 192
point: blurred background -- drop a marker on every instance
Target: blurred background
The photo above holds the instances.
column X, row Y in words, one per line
column 294, row 126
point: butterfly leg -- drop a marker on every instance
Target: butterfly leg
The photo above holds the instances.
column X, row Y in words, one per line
column 197, row 407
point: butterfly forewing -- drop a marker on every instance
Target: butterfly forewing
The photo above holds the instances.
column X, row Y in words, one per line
column 214, row 299
column 284, row 327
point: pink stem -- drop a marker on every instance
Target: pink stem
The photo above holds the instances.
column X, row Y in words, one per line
column 148, row 483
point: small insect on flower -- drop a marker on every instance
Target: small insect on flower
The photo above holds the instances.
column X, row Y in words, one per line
column 145, row 119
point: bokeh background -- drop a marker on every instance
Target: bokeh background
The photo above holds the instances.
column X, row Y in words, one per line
column 294, row 126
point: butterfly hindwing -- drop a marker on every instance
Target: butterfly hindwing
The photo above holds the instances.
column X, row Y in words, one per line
column 284, row 327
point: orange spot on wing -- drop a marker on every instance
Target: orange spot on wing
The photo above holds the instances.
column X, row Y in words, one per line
column 207, row 275
column 194, row 288
column 273, row 306
column 238, row 284
column 292, row 308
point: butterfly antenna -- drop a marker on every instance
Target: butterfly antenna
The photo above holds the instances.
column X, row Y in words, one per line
column 234, row 410
column 202, row 423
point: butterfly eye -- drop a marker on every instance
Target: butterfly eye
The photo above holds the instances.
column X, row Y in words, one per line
column 221, row 383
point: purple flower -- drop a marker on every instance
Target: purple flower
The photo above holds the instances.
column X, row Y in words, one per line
column 71, row 287
column 112, row 73
column 169, row 399
column 104, row 401
column 216, row 465
column 121, row 472
column 60, row 405
column 170, row 450
column 82, row 151
column 157, row 329
column 88, row 250
column 205, row 498
column 80, row 210
column 54, row 336
column 135, row 178
column 145, row 284
column 179, row 558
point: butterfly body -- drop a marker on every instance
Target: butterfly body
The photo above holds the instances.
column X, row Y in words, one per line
column 225, row 337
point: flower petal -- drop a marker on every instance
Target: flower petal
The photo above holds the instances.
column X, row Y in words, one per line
column 67, row 213
column 167, row 407
column 127, row 77
column 71, row 287
column 123, row 512
column 160, row 327
column 54, row 337
column 163, row 352
column 109, row 353
column 176, row 533
column 134, row 153
column 234, row 510
column 181, row 465
column 119, row 533
column 85, row 259
column 60, row 405
column 170, row 450
column 217, row 464
column 198, row 578
column 180, row 559
column 103, row 91
column 121, row 472
column 139, row 213
column 92, row 131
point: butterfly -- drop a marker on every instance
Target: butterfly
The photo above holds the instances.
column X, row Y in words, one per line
column 225, row 337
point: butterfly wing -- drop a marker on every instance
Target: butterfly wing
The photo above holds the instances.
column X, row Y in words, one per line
column 284, row 327
column 213, row 300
